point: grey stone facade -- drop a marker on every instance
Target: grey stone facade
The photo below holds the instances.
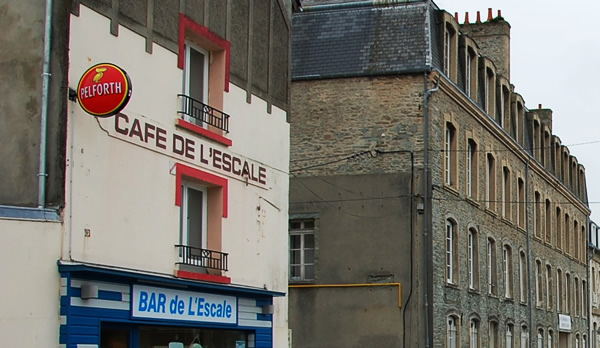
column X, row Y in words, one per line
column 528, row 194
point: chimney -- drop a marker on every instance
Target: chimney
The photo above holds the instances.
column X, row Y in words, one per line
column 493, row 39
column 499, row 13
column 456, row 16
column 466, row 17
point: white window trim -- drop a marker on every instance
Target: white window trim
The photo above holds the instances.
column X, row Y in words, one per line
column 450, row 252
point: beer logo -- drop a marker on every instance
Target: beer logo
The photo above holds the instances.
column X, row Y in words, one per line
column 104, row 90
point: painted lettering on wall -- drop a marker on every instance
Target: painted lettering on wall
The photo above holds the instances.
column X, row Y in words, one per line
column 194, row 150
column 151, row 302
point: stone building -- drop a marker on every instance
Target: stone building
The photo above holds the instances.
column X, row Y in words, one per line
column 144, row 177
column 594, row 288
column 429, row 206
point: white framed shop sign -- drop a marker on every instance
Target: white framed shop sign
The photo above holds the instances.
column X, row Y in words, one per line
column 170, row 304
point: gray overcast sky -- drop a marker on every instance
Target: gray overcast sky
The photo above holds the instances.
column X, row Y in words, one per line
column 555, row 50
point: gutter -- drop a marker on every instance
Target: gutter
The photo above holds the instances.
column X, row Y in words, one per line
column 364, row 3
column 42, row 174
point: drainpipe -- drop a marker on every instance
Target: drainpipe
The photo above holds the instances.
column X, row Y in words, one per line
column 426, row 203
column 42, row 175
column 532, row 293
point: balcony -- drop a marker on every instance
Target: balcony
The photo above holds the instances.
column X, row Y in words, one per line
column 203, row 114
column 202, row 258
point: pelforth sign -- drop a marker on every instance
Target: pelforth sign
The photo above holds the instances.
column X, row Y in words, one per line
column 104, row 90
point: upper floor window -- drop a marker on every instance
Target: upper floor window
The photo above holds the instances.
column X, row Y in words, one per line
column 302, row 249
column 560, row 300
column 521, row 202
column 194, row 217
column 559, row 234
column 451, row 252
column 538, row 283
column 493, row 334
column 450, row 47
column 540, row 338
column 506, row 186
column 474, row 334
column 548, row 222
column 549, row 286
column 509, row 336
column 491, row 267
column 522, row 276
column 450, row 153
column 524, row 337
column 472, row 259
column 536, row 215
column 452, row 332
column 507, row 270
column 472, row 168
column 490, row 182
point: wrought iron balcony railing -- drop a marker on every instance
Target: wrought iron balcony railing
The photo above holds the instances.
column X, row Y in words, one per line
column 204, row 114
column 203, row 257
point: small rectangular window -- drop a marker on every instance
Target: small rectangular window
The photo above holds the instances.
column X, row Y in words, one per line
column 302, row 249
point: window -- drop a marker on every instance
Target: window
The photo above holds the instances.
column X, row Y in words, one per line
column 490, row 182
column 468, row 72
column 194, row 218
column 474, row 334
column 523, row 276
column 450, row 150
column 540, row 338
column 203, row 200
column 536, row 216
column 204, row 59
column 538, row 282
column 524, row 337
column 491, row 266
column 506, row 192
column 472, row 259
column 559, row 235
column 584, row 297
column 522, row 203
column 550, row 339
column 548, row 225
column 507, row 268
column 489, row 91
column 450, row 47
column 559, row 292
column 577, row 298
column 493, row 335
column 575, row 243
column 447, row 51
column 577, row 341
column 509, row 335
column 567, row 235
column 472, row 169
column 568, row 293
column 302, row 249
column 549, row 286
column 451, row 251
column 451, row 334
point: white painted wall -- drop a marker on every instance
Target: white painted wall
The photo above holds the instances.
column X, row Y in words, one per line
column 30, row 283
column 124, row 194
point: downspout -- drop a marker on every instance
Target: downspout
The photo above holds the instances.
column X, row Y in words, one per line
column 42, row 175
column 426, row 204
column 528, row 234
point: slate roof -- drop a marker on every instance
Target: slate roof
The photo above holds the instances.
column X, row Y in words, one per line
column 360, row 40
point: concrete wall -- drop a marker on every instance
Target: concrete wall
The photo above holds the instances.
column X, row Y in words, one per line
column 21, row 59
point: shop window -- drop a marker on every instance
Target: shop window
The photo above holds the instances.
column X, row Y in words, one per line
column 472, row 169
column 160, row 336
column 473, row 259
column 302, row 249
column 507, row 271
column 491, row 267
column 204, row 58
column 202, row 198
column 451, row 252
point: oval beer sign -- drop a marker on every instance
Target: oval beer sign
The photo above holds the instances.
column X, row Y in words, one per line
column 104, row 90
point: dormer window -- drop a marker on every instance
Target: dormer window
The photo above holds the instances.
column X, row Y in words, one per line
column 450, row 47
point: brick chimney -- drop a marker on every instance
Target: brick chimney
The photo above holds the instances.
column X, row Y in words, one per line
column 493, row 38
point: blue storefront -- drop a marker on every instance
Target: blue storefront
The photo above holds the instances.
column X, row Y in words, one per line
column 104, row 307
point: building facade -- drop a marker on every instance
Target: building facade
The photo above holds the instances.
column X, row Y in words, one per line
column 146, row 177
column 429, row 207
column 594, row 289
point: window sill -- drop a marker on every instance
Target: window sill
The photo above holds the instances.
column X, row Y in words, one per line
column 491, row 212
column 473, row 291
column 451, row 189
column 180, row 123
column 472, row 201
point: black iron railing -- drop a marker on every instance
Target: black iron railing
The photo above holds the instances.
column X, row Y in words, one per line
column 202, row 257
column 204, row 114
